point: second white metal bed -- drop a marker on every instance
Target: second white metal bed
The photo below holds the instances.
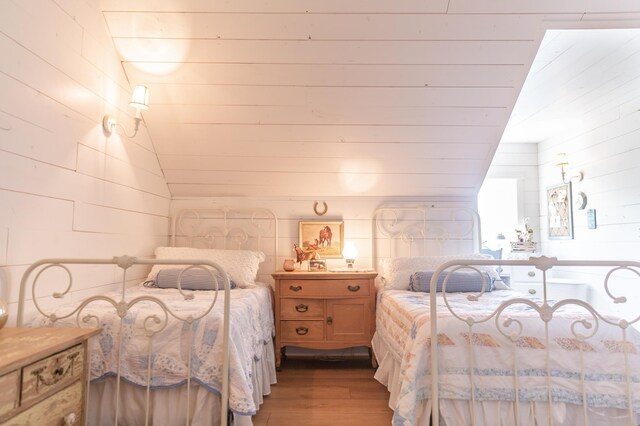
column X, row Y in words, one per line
column 500, row 357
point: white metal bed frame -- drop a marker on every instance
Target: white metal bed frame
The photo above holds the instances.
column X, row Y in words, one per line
column 511, row 328
column 237, row 228
column 407, row 229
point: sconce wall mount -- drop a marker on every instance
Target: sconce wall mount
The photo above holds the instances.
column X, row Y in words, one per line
column 563, row 163
column 140, row 101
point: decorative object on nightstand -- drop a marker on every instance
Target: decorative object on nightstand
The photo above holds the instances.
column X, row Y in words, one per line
column 350, row 252
column 525, row 243
column 289, row 265
column 318, row 265
column 43, row 375
column 324, row 310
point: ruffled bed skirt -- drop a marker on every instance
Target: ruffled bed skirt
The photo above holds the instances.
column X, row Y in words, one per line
column 455, row 412
column 167, row 406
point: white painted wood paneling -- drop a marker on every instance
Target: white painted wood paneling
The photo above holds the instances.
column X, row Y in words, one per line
column 339, row 72
column 65, row 189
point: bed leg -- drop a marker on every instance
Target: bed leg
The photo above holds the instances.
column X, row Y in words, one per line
column 280, row 355
column 374, row 361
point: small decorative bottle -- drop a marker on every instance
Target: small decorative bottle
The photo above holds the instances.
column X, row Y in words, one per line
column 288, row 265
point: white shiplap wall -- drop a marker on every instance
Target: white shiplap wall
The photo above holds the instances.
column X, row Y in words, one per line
column 357, row 214
column 66, row 189
column 607, row 150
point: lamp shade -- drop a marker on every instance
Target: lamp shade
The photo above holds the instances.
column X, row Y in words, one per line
column 349, row 251
column 561, row 160
column 140, row 97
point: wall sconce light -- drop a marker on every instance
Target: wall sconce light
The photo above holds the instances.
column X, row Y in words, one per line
column 349, row 252
column 562, row 162
column 140, row 101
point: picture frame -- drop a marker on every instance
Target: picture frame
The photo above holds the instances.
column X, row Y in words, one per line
column 559, row 212
column 318, row 265
column 326, row 238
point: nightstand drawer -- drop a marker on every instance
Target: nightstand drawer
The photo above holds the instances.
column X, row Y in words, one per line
column 52, row 373
column 9, row 392
column 302, row 330
column 53, row 410
column 302, row 309
column 324, row 288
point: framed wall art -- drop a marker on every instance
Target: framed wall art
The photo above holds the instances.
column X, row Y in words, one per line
column 325, row 237
column 559, row 212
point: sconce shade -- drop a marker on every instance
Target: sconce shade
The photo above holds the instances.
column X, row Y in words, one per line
column 140, row 97
column 561, row 160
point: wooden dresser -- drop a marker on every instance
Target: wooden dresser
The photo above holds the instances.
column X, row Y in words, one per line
column 324, row 310
column 43, row 374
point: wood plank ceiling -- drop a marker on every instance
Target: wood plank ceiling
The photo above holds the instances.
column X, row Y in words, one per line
column 333, row 98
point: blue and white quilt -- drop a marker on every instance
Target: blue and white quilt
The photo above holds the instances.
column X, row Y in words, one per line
column 605, row 351
column 251, row 328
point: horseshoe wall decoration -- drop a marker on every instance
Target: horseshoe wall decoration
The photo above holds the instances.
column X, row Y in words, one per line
column 320, row 212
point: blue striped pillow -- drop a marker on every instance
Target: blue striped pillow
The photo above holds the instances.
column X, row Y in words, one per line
column 459, row 281
column 192, row 279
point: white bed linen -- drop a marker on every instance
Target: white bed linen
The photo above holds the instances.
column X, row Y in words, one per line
column 251, row 332
column 401, row 344
column 168, row 406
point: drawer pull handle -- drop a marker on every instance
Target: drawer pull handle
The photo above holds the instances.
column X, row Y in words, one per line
column 531, row 273
column 329, row 320
column 302, row 330
column 353, row 287
column 532, row 291
column 56, row 375
column 70, row 419
column 302, row 308
column 295, row 288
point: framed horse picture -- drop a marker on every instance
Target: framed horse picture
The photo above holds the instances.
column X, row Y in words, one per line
column 326, row 238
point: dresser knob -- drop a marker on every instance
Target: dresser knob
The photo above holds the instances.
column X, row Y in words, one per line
column 329, row 320
column 532, row 291
column 353, row 288
column 302, row 330
column 302, row 308
column 70, row 419
column 531, row 273
column 295, row 288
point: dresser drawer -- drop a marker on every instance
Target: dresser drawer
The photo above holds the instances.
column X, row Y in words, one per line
column 52, row 373
column 302, row 330
column 302, row 309
column 9, row 392
column 527, row 274
column 324, row 288
column 53, row 410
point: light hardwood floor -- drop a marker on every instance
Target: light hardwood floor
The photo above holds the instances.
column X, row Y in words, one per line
column 325, row 393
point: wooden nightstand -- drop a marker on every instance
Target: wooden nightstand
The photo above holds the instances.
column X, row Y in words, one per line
column 43, row 375
column 324, row 310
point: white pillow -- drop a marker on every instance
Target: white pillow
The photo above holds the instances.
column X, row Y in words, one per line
column 241, row 265
column 396, row 272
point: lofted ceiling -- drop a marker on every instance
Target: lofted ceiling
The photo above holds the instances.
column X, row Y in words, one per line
column 576, row 76
column 335, row 98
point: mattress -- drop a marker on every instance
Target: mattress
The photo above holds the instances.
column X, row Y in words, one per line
column 493, row 351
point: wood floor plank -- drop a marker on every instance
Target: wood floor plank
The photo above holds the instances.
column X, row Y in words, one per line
column 329, row 419
column 318, row 393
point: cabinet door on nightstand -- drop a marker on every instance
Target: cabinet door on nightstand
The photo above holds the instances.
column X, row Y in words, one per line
column 348, row 320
